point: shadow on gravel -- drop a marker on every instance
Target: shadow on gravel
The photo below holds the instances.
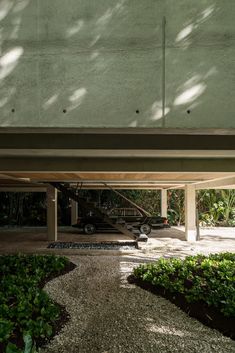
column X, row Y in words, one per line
column 64, row 316
column 209, row 316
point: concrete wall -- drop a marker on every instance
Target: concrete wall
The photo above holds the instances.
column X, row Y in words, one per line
column 98, row 63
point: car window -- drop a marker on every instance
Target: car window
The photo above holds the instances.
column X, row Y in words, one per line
column 129, row 212
column 132, row 212
column 138, row 213
column 125, row 212
column 117, row 212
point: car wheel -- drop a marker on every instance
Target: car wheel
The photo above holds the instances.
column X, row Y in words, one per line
column 145, row 229
column 89, row 228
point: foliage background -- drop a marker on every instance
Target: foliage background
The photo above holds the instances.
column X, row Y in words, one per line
column 215, row 207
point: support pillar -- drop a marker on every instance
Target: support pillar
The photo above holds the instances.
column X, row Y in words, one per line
column 51, row 213
column 190, row 213
column 74, row 212
column 164, row 203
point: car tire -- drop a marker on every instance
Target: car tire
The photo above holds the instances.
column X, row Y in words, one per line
column 89, row 228
column 145, row 228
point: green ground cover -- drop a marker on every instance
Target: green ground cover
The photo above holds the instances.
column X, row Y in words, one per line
column 207, row 279
column 26, row 311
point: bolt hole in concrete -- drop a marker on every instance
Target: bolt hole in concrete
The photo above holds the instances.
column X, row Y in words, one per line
column 137, row 111
column 64, row 111
column 13, row 110
column 188, row 111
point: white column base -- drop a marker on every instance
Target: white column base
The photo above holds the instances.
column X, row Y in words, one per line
column 191, row 235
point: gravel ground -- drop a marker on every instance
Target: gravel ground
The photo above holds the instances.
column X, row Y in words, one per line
column 108, row 315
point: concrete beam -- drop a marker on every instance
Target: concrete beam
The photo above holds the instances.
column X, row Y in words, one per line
column 164, row 203
column 116, row 130
column 22, row 189
column 51, row 213
column 10, row 177
column 190, row 213
column 175, row 187
column 76, row 165
column 216, row 183
column 110, row 140
column 102, row 153
column 123, row 187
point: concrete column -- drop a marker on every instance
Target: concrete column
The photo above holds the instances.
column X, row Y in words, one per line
column 74, row 212
column 51, row 213
column 164, row 203
column 190, row 213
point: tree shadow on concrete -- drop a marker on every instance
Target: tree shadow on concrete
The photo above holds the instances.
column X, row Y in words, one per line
column 99, row 64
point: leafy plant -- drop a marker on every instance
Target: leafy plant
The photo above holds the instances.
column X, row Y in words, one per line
column 6, row 329
column 24, row 307
column 199, row 278
column 29, row 346
column 216, row 207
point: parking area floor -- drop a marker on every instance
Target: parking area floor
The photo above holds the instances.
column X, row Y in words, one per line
column 165, row 242
column 171, row 242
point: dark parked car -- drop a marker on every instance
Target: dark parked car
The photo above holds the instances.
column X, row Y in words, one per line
column 92, row 223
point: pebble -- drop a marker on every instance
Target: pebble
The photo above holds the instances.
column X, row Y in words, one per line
column 102, row 245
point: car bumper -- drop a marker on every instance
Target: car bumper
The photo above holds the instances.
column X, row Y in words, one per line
column 159, row 225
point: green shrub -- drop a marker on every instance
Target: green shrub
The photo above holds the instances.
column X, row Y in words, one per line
column 210, row 279
column 24, row 306
column 29, row 347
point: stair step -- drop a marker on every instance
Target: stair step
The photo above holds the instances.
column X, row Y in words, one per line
column 71, row 193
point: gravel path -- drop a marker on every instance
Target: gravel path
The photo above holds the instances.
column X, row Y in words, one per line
column 108, row 315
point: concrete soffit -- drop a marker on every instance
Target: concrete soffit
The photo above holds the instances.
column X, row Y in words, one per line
column 119, row 152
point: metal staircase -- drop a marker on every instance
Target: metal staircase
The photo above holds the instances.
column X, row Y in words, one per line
column 72, row 194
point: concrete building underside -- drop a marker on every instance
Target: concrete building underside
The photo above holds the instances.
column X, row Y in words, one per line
column 98, row 160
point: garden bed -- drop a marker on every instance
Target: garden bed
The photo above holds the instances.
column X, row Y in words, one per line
column 24, row 307
column 201, row 286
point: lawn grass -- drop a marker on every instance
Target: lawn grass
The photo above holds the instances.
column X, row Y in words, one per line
column 203, row 286
column 26, row 311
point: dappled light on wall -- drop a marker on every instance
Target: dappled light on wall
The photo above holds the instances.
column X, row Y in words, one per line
column 184, row 33
column 190, row 94
column 101, row 63
column 207, row 12
column 16, row 27
column 157, row 111
column 77, row 98
column 4, row 100
column 9, row 61
column 95, row 40
column 9, row 93
column 94, row 55
column 133, row 123
column 183, row 37
column 50, row 101
column 20, row 5
column 75, row 28
column 5, row 7
column 109, row 13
